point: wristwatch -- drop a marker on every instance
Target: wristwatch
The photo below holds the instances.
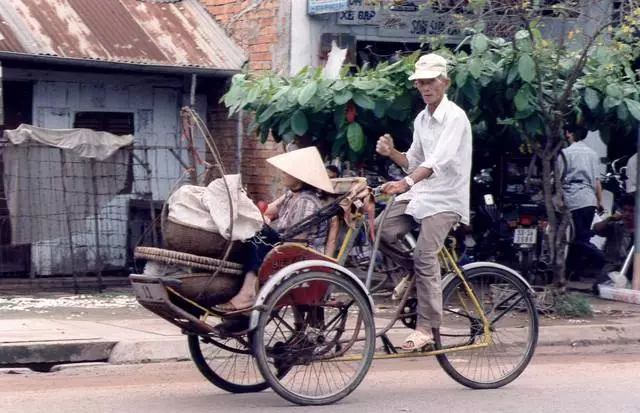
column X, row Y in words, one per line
column 409, row 180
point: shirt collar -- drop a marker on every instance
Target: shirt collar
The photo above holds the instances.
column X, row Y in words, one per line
column 441, row 110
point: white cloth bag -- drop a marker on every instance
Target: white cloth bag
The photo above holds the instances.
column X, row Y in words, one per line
column 208, row 208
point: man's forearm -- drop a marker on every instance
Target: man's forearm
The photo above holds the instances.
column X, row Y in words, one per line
column 421, row 173
column 598, row 192
column 399, row 158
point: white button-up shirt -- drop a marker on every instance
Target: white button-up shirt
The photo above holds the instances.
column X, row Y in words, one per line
column 443, row 143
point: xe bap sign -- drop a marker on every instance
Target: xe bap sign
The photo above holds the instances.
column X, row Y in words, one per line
column 360, row 12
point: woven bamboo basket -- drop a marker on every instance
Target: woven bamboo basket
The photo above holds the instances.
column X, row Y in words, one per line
column 195, row 241
column 219, row 290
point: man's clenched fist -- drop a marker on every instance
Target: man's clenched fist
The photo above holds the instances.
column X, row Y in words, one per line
column 384, row 146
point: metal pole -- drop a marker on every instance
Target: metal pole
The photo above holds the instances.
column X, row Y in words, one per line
column 67, row 214
column 96, row 224
column 189, row 133
column 376, row 243
column 239, row 142
column 635, row 283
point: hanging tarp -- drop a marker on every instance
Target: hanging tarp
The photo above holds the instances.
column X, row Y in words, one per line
column 85, row 143
column 55, row 180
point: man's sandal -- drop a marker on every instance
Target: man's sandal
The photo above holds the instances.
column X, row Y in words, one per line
column 417, row 340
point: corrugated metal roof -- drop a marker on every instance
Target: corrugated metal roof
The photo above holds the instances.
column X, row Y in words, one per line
column 177, row 34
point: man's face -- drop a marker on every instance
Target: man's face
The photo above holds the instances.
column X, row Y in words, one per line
column 628, row 212
column 432, row 90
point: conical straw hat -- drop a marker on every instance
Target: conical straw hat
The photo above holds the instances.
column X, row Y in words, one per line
column 306, row 165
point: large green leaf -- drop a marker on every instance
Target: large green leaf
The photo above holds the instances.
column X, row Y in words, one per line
column 355, row 137
column 614, row 90
column 380, row 108
column 299, row 124
column 343, row 97
column 479, row 43
column 461, row 78
column 264, row 133
column 338, row 85
column 527, row 68
column 513, row 74
column 266, row 114
column 591, row 98
column 364, row 101
column 623, row 113
column 523, row 98
column 307, row 92
column 475, row 67
column 610, row 103
column 284, row 126
column 472, row 93
column 339, row 117
column 365, row 84
column 634, row 108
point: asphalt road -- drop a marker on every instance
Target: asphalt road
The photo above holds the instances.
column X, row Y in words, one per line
column 566, row 384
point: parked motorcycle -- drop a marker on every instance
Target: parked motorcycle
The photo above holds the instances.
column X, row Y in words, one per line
column 614, row 180
column 490, row 230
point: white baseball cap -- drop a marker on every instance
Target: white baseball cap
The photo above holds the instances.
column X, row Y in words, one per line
column 430, row 66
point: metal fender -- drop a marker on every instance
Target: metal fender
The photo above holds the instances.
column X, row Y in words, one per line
column 480, row 264
column 293, row 269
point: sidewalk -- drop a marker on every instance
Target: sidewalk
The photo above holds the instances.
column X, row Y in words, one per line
column 43, row 331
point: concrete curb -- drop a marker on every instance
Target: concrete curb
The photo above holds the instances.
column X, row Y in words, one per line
column 44, row 355
column 130, row 352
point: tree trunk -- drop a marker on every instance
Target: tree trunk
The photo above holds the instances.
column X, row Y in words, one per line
column 559, row 219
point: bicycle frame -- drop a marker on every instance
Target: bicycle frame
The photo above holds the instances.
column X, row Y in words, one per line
column 447, row 257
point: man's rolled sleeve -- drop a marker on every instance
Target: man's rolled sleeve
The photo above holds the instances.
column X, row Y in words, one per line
column 447, row 148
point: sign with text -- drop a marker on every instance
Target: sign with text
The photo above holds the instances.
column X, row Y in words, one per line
column 326, row 6
column 360, row 12
column 399, row 18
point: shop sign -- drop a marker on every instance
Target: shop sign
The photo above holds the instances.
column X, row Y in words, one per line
column 326, row 6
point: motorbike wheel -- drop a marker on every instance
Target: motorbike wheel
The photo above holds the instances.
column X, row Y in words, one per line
column 525, row 263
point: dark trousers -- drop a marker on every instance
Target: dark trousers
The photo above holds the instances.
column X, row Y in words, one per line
column 583, row 255
column 253, row 251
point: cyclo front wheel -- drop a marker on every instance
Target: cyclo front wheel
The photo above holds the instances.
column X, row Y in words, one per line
column 319, row 327
column 510, row 310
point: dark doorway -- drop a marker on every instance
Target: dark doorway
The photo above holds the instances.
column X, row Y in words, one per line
column 18, row 105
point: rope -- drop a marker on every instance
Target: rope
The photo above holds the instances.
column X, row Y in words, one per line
column 208, row 139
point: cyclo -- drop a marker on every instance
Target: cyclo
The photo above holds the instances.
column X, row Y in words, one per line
column 312, row 332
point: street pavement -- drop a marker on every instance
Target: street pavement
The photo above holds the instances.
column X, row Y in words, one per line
column 563, row 384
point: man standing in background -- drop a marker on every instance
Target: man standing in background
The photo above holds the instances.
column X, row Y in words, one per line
column 582, row 196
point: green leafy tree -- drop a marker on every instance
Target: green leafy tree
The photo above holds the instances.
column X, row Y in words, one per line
column 559, row 65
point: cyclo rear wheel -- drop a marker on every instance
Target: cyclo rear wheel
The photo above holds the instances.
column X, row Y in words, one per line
column 227, row 363
column 319, row 327
column 513, row 322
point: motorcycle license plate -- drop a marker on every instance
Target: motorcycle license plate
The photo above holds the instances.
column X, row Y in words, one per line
column 525, row 236
column 488, row 199
column 149, row 292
